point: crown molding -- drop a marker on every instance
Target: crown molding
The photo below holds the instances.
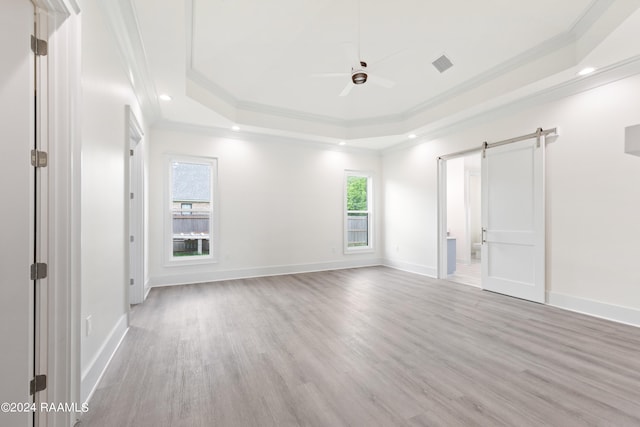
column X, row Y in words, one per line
column 615, row 72
column 537, row 52
column 123, row 21
column 401, row 121
column 62, row 7
column 258, row 137
column 592, row 13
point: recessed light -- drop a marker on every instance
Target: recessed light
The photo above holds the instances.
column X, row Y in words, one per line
column 235, row 128
column 342, row 143
column 413, row 136
column 585, row 71
column 165, row 97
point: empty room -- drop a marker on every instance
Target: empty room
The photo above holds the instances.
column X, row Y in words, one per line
column 329, row 213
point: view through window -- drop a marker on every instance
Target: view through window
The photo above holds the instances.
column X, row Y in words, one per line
column 191, row 208
column 358, row 220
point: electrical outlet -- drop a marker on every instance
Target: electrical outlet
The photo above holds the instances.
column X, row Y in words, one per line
column 89, row 325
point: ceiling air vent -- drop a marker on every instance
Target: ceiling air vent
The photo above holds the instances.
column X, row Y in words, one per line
column 442, row 64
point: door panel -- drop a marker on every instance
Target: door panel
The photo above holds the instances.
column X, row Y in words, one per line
column 513, row 220
column 16, row 226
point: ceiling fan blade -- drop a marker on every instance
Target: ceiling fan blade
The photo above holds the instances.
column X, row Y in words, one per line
column 380, row 81
column 347, row 89
column 351, row 54
column 324, row 75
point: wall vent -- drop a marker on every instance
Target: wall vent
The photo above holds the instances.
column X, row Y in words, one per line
column 442, row 64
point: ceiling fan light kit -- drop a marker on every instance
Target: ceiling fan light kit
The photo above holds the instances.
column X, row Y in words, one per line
column 358, row 75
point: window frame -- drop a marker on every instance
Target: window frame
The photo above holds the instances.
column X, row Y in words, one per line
column 169, row 259
column 370, row 213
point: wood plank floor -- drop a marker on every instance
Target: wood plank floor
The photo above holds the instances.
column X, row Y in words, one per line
column 365, row 347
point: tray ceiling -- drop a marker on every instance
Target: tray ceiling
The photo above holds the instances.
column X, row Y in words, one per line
column 252, row 62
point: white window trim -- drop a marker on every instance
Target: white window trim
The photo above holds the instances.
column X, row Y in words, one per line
column 214, row 238
column 370, row 248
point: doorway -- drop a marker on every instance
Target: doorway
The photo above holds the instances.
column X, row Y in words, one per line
column 464, row 219
column 512, row 233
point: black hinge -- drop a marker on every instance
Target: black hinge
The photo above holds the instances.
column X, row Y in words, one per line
column 39, row 159
column 38, row 271
column 37, row 384
column 39, row 46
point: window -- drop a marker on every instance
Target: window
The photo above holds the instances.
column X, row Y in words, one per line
column 190, row 223
column 186, row 208
column 358, row 212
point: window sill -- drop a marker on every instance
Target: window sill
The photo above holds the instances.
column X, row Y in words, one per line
column 178, row 262
column 362, row 250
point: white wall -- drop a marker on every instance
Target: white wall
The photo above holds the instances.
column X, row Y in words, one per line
column 456, row 214
column 105, row 92
column 593, row 202
column 281, row 205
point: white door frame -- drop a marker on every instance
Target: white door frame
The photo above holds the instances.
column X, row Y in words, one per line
column 135, row 205
column 63, row 185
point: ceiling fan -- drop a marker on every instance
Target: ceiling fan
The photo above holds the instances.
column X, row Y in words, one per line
column 359, row 73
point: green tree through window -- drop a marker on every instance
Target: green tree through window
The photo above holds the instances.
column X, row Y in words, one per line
column 358, row 212
column 357, row 193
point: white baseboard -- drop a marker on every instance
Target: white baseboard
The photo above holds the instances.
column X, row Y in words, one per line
column 423, row 270
column 92, row 375
column 216, row 276
column 616, row 313
column 612, row 312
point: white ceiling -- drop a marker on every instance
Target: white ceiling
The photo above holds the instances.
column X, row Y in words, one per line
column 249, row 62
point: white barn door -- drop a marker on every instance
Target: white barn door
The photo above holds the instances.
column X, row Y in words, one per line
column 17, row 218
column 513, row 224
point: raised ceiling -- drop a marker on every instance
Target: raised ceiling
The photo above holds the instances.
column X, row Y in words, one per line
column 251, row 62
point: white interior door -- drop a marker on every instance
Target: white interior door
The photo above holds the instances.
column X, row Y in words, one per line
column 513, row 249
column 17, row 218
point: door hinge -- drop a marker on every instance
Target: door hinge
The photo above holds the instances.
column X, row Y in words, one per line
column 39, row 46
column 131, row 239
column 37, row 384
column 131, row 196
column 131, row 281
column 131, row 152
column 38, row 271
column 39, row 159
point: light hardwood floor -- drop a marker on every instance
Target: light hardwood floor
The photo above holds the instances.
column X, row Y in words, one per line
column 365, row 347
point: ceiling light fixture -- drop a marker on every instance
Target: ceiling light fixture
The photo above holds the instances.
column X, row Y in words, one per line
column 359, row 75
column 342, row 143
column 413, row 136
column 235, row 128
column 585, row 71
column 165, row 97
